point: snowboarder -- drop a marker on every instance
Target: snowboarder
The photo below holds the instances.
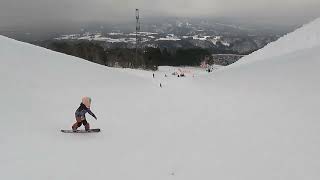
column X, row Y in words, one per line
column 80, row 114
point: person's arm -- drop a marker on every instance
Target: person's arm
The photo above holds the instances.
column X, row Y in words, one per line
column 91, row 113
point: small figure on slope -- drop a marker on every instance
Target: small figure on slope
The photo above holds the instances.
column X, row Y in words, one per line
column 80, row 114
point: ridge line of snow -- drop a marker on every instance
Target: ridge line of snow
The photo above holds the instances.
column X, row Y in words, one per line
column 301, row 38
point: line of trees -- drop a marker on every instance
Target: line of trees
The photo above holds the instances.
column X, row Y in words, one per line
column 148, row 58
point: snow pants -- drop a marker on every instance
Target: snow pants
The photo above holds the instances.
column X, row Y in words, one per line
column 80, row 120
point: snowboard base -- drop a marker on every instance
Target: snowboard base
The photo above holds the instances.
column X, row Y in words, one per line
column 80, row 131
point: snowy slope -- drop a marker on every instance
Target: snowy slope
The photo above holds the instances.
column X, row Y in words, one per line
column 303, row 38
column 250, row 121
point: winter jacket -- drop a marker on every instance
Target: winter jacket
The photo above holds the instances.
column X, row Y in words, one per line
column 82, row 110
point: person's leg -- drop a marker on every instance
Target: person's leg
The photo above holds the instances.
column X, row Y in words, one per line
column 77, row 124
column 86, row 125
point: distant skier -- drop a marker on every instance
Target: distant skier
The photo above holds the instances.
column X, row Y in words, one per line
column 153, row 75
column 80, row 114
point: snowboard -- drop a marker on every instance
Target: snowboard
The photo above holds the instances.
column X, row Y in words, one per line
column 80, row 131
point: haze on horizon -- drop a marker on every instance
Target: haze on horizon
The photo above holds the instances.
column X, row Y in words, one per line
column 47, row 13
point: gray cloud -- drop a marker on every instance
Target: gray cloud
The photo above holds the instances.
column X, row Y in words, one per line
column 46, row 12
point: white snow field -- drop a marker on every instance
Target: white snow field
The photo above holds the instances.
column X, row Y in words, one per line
column 258, row 119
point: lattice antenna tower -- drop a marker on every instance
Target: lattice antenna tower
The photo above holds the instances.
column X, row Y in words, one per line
column 137, row 32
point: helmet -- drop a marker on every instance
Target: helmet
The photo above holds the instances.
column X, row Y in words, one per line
column 86, row 101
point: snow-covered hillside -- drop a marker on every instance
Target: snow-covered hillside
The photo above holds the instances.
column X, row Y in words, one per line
column 303, row 38
column 249, row 121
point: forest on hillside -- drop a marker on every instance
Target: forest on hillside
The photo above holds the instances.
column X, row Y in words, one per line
column 147, row 58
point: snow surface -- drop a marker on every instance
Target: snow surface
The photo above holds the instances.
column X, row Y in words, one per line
column 169, row 37
column 256, row 119
column 303, row 38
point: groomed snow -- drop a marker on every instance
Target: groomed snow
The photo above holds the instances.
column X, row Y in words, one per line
column 248, row 121
column 303, row 38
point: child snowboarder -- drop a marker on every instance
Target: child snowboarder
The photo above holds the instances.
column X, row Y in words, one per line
column 80, row 114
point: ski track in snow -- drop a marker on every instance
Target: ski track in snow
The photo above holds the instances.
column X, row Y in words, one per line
column 256, row 119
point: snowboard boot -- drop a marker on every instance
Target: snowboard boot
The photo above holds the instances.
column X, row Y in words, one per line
column 87, row 127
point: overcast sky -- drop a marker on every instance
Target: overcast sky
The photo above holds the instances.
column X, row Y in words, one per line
column 44, row 12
